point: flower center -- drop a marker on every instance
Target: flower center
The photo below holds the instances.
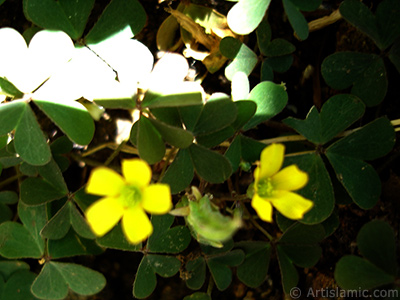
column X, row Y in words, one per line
column 130, row 196
column 265, row 188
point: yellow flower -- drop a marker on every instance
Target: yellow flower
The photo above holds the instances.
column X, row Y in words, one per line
column 128, row 197
column 273, row 188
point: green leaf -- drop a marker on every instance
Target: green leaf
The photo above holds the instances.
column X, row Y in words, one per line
column 146, row 280
column 17, row 242
column 180, row 173
column 215, row 138
column 279, row 47
column 10, row 114
column 55, row 279
column 165, row 266
column 72, row 118
column 71, row 245
column 270, row 98
column 18, row 286
column 178, row 99
column 211, row 166
column 365, row 72
column 29, row 140
column 387, row 17
column 361, row 17
column 175, row 136
column 338, row 113
column 296, row 19
column 279, row 64
column 53, row 175
column 8, row 267
column 219, row 267
column 216, row 114
column 115, row 239
column 36, row 191
column 8, row 197
column 60, row 223
column 245, row 111
column 353, row 272
column 150, row 145
column 117, row 16
column 198, row 296
column 165, row 239
column 372, row 141
column 318, row 189
column 358, row 178
column 246, row 15
column 376, row 242
column 234, row 153
column 244, row 59
column 394, row 55
column 197, row 271
column 251, row 149
column 254, row 269
column 264, row 35
column 289, row 274
column 64, row 15
column 10, row 90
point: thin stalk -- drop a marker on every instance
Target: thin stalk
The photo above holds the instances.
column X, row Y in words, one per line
column 255, row 224
column 115, row 153
column 10, row 180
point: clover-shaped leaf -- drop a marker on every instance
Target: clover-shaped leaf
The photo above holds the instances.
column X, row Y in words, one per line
column 151, row 264
column 24, row 240
column 254, row 269
column 68, row 16
column 244, row 59
column 71, row 245
column 347, row 154
column 376, row 242
column 318, row 189
column 365, row 72
column 165, row 239
column 219, row 266
column 383, row 28
column 56, row 278
column 293, row 10
column 60, row 223
column 197, row 271
column 17, row 287
column 245, row 16
column 338, row 113
column 298, row 245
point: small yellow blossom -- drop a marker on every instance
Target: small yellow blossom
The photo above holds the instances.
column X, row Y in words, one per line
column 128, row 197
column 273, row 188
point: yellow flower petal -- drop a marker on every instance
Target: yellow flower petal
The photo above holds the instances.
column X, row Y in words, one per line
column 104, row 182
column 263, row 208
column 157, row 199
column 271, row 160
column 290, row 178
column 136, row 225
column 104, row 215
column 291, row 205
column 136, row 171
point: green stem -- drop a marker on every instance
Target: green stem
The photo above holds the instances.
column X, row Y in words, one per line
column 115, row 153
column 10, row 180
column 255, row 224
column 210, row 286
